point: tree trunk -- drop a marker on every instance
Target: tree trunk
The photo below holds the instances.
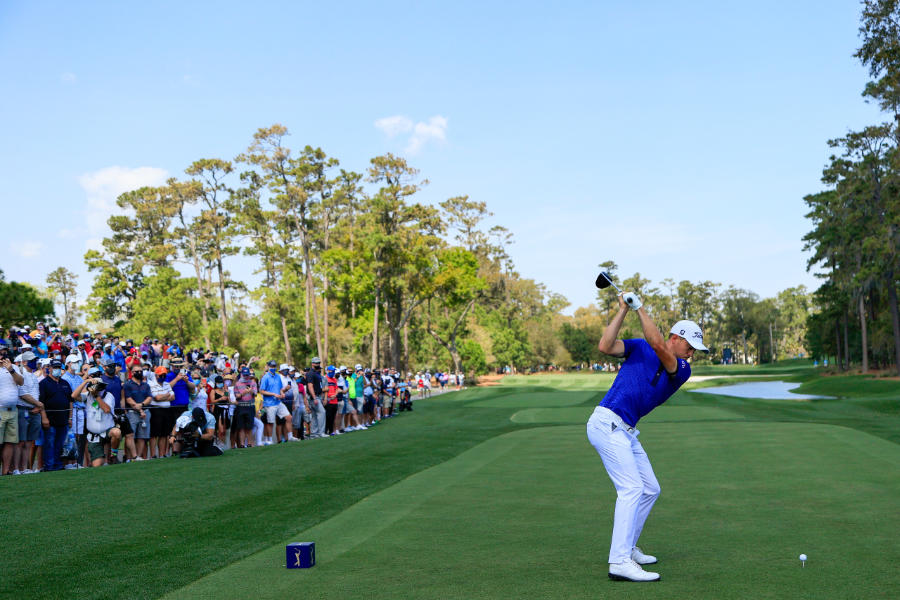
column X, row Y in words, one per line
column 895, row 318
column 223, row 314
column 375, row 328
column 311, row 290
column 204, row 314
column 405, row 348
column 837, row 345
column 865, row 337
column 325, row 316
column 306, row 320
column 772, row 344
column 744, row 343
column 283, row 318
column 846, row 342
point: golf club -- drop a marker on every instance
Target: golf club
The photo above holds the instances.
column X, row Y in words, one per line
column 604, row 281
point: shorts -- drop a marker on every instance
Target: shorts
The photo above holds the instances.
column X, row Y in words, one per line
column 289, row 405
column 369, row 406
column 279, row 411
column 141, row 427
column 96, row 450
column 220, row 412
column 360, row 402
column 347, row 407
column 243, row 418
column 159, row 419
column 29, row 425
column 9, row 425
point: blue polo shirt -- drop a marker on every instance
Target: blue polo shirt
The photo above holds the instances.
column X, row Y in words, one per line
column 180, row 389
column 642, row 383
column 114, row 387
column 271, row 383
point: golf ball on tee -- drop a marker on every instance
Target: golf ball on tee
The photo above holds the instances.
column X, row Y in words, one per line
column 802, row 557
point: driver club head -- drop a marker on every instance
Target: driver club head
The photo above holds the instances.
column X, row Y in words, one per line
column 604, row 281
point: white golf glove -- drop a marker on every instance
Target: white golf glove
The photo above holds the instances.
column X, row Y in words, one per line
column 632, row 300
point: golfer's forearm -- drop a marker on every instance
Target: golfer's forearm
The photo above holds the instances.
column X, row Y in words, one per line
column 651, row 331
column 611, row 333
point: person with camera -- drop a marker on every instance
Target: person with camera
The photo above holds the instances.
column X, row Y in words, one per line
column 194, row 434
column 102, row 431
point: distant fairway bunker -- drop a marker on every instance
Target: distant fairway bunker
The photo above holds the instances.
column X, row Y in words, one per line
column 527, row 515
column 765, row 390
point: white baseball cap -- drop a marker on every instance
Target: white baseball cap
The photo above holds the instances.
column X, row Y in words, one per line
column 691, row 332
column 73, row 358
column 284, row 367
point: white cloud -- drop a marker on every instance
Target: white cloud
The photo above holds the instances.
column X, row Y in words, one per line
column 394, row 126
column 68, row 78
column 434, row 129
column 26, row 249
column 422, row 132
column 104, row 186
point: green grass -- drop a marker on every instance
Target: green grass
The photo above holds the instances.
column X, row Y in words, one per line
column 489, row 493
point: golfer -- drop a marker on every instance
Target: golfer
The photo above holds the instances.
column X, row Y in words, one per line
column 653, row 370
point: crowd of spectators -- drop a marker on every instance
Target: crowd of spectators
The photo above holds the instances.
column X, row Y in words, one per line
column 69, row 401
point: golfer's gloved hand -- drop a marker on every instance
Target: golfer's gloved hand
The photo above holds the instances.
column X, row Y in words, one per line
column 632, row 300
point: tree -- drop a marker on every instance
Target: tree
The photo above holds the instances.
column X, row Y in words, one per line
column 214, row 221
column 167, row 307
column 62, row 284
column 21, row 304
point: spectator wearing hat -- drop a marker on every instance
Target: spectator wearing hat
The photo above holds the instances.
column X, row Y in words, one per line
column 29, row 408
column 55, row 394
column 161, row 418
column 72, row 374
column 272, row 389
column 290, row 397
column 245, row 390
column 316, row 388
column 103, row 434
column 193, row 434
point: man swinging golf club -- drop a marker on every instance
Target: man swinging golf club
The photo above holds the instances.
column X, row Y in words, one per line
column 653, row 370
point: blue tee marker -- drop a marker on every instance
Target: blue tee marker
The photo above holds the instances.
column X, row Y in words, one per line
column 300, row 555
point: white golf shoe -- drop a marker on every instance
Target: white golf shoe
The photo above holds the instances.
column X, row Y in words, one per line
column 628, row 570
column 641, row 558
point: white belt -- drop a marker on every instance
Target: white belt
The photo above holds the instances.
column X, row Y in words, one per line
column 604, row 416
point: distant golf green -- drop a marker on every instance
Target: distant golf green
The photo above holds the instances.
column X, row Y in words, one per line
column 490, row 493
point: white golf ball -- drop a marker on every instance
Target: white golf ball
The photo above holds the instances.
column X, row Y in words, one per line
column 802, row 557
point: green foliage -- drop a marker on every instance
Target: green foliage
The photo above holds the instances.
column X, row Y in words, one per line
column 578, row 343
column 166, row 307
column 20, row 304
column 473, row 356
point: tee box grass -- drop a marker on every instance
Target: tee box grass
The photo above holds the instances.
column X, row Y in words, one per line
column 488, row 493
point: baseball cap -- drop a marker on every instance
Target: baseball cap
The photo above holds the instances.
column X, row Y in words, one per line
column 272, row 363
column 160, row 370
column 330, row 368
column 27, row 355
column 283, row 367
column 73, row 358
column 691, row 332
column 316, row 360
column 95, row 372
column 245, row 371
column 55, row 363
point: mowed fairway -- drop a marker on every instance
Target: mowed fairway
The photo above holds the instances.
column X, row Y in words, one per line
column 496, row 493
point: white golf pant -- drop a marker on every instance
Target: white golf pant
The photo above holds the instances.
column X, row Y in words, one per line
column 631, row 473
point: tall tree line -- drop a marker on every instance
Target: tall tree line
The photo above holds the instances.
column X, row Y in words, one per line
column 856, row 219
column 352, row 266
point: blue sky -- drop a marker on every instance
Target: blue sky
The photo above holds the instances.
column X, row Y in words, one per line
column 677, row 139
